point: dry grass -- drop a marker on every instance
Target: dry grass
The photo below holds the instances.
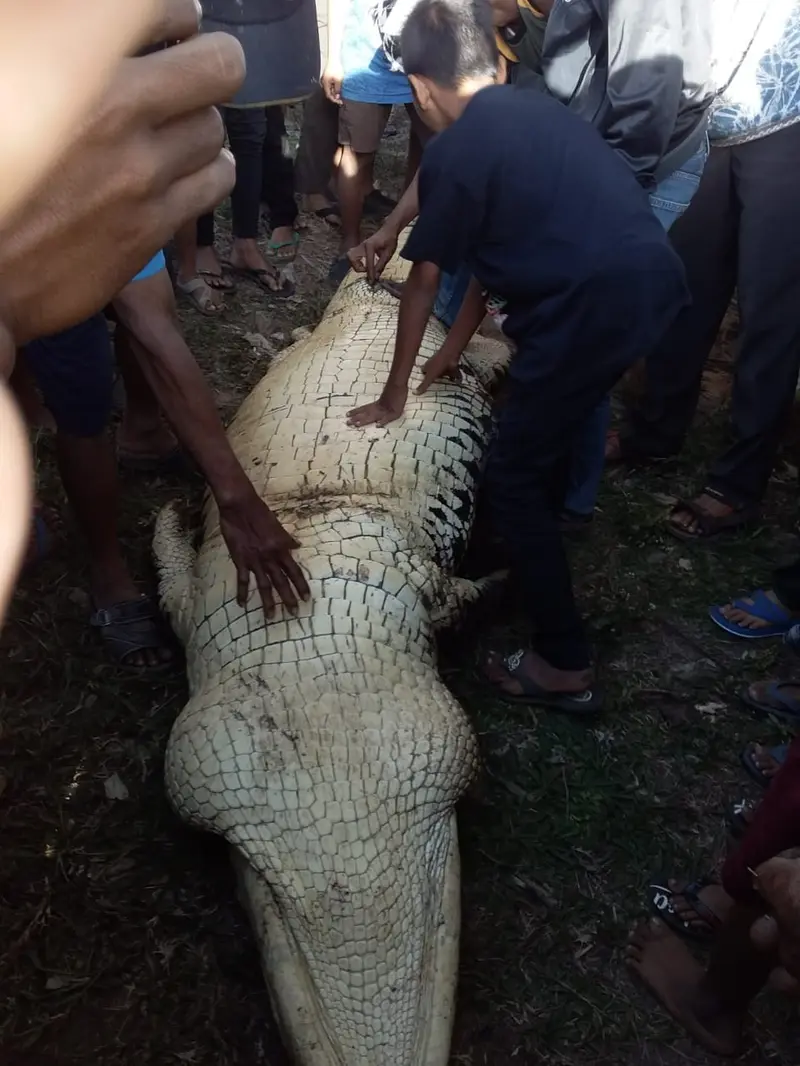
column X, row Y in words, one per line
column 122, row 942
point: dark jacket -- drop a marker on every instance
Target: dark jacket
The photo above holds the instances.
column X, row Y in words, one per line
column 639, row 71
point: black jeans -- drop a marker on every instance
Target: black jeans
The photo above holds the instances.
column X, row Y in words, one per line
column 263, row 173
column 739, row 232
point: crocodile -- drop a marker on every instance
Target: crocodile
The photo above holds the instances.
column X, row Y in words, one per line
column 324, row 747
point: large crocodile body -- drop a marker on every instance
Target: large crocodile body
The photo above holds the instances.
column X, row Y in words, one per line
column 325, row 747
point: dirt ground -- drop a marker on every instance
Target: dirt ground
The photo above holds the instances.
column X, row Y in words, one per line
column 121, row 943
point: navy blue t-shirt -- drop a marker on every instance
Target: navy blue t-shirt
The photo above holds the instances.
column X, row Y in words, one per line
column 549, row 219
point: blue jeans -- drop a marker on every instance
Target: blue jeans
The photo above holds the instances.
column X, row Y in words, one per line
column 669, row 201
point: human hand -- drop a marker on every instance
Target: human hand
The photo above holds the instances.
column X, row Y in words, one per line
column 372, row 255
column 444, row 364
column 148, row 158
column 387, row 409
column 259, row 545
column 331, row 82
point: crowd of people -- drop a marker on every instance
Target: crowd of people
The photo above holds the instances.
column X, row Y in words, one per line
column 598, row 176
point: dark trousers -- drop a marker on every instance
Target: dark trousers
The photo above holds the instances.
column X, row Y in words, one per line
column 739, row 232
column 556, row 382
column 786, row 584
column 264, row 173
column 319, row 140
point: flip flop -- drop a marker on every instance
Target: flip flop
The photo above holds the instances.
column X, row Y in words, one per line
column 784, row 708
column 711, row 526
column 661, row 897
column 259, row 276
column 219, row 282
column 581, row 704
column 283, row 252
column 330, row 214
column 778, row 753
column 779, row 620
column 197, row 292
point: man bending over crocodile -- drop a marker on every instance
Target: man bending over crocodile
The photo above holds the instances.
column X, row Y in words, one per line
column 554, row 224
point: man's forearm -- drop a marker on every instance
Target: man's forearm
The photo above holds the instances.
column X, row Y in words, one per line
column 407, row 209
column 470, row 315
column 187, row 402
column 416, row 304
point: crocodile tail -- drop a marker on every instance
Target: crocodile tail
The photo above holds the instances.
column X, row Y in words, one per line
column 175, row 558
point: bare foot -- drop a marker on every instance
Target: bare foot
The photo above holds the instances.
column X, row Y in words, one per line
column 666, row 967
column 750, row 621
column 613, row 447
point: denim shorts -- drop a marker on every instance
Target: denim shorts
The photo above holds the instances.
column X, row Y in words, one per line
column 74, row 370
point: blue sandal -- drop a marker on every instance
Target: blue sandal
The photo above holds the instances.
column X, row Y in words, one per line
column 779, row 620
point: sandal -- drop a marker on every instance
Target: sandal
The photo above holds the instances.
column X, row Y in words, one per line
column 261, row 276
column 582, row 704
column 283, row 252
column 130, row 627
column 778, row 753
column 704, row 930
column 785, row 708
column 220, row 282
column 199, row 294
column 711, row 526
column 330, row 214
column 779, row 620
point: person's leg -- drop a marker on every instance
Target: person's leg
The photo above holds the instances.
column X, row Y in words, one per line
column 361, row 127
column 317, row 156
column 705, row 239
column 669, row 201
column 277, row 185
column 768, row 360
column 74, row 370
column 189, row 280
column 449, row 298
column 586, row 468
column 208, row 265
column 247, row 129
column 712, row 1004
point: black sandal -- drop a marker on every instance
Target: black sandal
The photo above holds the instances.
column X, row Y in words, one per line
column 261, row 276
column 704, row 930
column 131, row 627
column 582, row 704
column 711, row 526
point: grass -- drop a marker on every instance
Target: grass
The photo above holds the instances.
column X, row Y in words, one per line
column 122, row 942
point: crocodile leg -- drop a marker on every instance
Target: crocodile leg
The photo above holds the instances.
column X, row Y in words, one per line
column 175, row 558
column 460, row 594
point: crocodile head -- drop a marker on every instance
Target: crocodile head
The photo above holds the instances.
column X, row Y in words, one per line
column 341, row 816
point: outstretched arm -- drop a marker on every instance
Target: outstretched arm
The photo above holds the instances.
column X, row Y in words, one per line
column 416, row 304
column 372, row 255
column 469, row 317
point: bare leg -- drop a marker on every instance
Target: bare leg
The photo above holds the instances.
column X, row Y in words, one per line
column 143, row 431
column 353, row 185
column 88, row 470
